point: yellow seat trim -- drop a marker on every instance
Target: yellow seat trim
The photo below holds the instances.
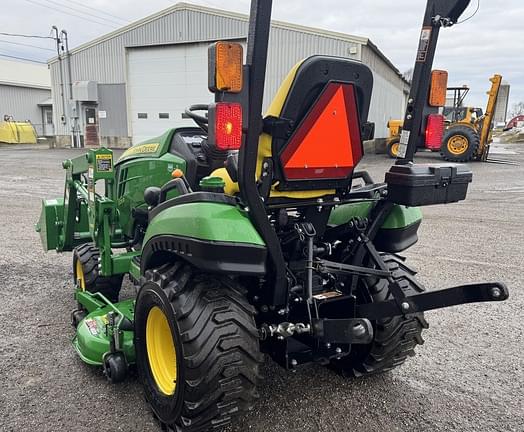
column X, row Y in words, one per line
column 264, row 148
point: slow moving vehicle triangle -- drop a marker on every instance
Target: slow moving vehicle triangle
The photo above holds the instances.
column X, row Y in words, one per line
column 327, row 143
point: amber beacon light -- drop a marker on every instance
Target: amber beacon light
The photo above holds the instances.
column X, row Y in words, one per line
column 225, row 67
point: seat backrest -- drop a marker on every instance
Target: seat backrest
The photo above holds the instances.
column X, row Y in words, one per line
column 312, row 129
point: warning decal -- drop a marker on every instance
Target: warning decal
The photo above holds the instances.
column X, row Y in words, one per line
column 104, row 162
column 423, row 45
column 327, row 143
column 91, row 326
column 403, row 144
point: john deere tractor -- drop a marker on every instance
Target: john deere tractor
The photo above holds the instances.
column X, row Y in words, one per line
column 248, row 235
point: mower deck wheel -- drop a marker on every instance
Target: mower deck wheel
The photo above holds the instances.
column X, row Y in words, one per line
column 76, row 316
column 85, row 272
column 115, row 367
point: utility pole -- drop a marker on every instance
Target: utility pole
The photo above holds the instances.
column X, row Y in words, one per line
column 75, row 135
column 58, row 43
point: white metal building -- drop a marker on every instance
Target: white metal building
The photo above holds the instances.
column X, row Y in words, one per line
column 25, row 94
column 147, row 72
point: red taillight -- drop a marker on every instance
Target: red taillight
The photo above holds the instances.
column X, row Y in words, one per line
column 434, row 131
column 225, row 125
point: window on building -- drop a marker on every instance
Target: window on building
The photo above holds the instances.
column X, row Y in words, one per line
column 163, row 115
column 142, row 115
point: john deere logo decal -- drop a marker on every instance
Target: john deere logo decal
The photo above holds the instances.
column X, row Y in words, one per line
column 141, row 149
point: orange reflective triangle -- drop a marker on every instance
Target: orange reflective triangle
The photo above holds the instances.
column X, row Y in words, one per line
column 323, row 145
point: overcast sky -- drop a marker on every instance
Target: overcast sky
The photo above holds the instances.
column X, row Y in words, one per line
column 491, row 42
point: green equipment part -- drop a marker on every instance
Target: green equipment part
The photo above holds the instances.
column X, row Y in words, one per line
column 251, row 234
column 94, row 334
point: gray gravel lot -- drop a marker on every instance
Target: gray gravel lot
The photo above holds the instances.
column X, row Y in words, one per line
column 468, row 376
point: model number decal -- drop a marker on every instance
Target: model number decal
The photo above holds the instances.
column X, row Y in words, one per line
column 403, row 144
column 423, row 45
column 143, row 148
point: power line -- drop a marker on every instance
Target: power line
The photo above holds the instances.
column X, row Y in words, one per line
column 26, row 36
column 26, row 45
column 472, row 15
column 68, row 13
column 82, row 12
column 22, row 58
column 99, row 11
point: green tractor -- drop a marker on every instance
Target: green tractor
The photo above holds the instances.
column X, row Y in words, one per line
column 248, row 235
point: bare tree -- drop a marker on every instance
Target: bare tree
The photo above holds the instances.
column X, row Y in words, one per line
column 408, row 75
column 517, row 109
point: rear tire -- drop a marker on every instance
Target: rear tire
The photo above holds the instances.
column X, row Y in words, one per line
column 215, row 365
column 459, row 144
column 85, row 263
column 394, row 338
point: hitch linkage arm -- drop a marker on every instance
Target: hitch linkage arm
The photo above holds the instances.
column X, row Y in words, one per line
column 462, row 294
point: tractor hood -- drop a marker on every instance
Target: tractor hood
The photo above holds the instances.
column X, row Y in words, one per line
column 152, row 148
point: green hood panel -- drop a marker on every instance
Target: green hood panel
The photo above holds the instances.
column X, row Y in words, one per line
column 207, row 221
column 400, row 216
column 151, row 148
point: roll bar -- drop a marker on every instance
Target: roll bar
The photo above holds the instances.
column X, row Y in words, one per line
column 439, row 13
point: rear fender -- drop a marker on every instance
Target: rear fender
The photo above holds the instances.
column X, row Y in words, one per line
column 212, row 236
column 397, row 233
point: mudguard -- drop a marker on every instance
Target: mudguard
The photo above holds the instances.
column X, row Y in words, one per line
column 397, row 233
column 212, row 236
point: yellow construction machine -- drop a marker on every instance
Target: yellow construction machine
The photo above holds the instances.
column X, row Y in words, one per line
column 469, row 137
column 468, row 130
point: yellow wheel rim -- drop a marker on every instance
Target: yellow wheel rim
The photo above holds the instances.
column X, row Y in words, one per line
column 458, row 144
column 394, row 149
column 79, row 274
column 161, row 351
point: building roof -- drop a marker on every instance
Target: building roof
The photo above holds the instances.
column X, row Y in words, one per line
column 235, row 15
column 24, row 74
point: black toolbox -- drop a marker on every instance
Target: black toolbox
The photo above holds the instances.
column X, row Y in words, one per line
column 425, row 184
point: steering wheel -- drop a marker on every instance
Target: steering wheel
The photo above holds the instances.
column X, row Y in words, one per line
column 200, row 120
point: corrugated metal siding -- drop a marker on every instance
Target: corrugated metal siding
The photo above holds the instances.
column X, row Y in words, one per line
column 22, row 104
column 112, row 100
column 287, row 47
column 501, row 108
column 390, row 92
column 105, row 62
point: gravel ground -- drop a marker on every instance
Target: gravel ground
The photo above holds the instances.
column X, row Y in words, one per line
column 468, row 376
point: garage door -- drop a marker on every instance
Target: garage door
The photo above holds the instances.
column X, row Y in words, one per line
column 161, row 83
